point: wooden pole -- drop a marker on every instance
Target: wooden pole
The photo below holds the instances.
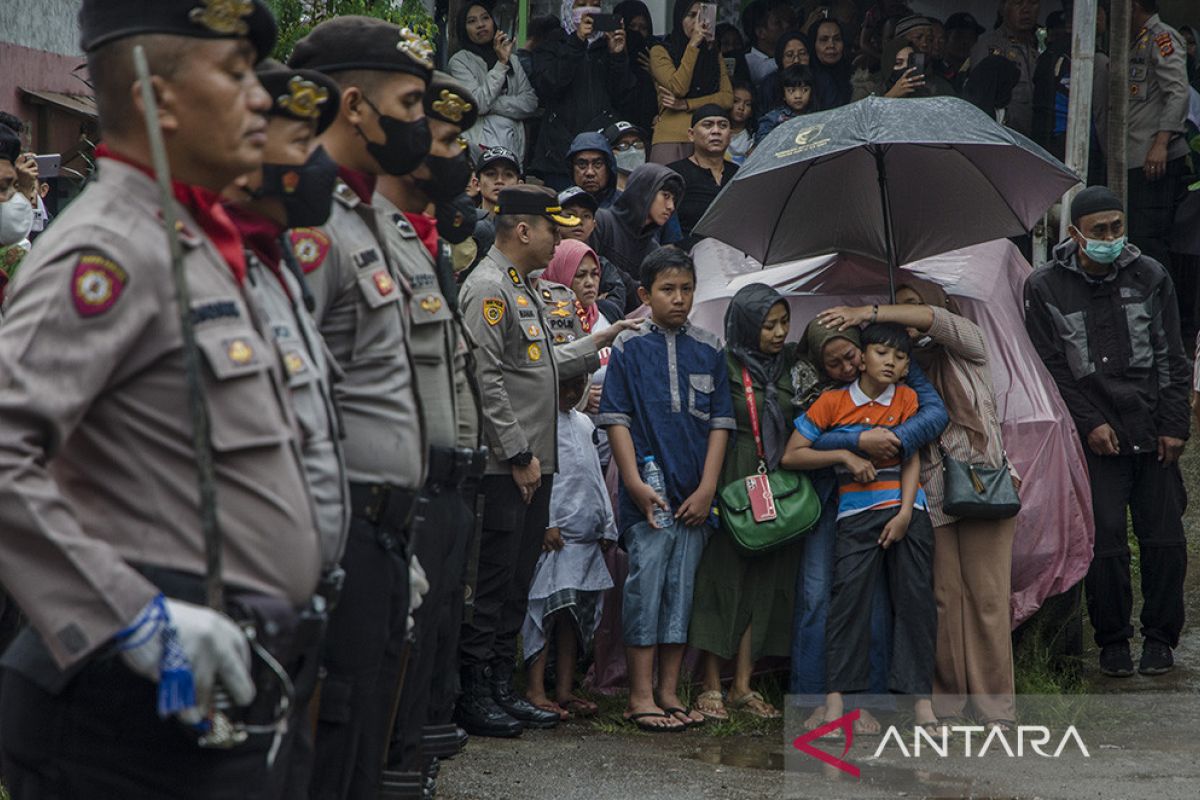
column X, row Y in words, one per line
column 1118, row 96
column 1079, row 108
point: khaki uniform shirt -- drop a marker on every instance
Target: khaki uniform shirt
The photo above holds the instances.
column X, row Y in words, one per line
column 361, row 310
column 1019, row 115
column 436, row 341
column 517, row 366
column 97, row 469
column 275, row 295
column 1158, row 91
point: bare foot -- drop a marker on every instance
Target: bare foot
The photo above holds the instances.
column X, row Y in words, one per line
column 923, row 711
column 816, row 719
column 692, row 717
column 578, row 706
column 661, row 719
column 866, row 724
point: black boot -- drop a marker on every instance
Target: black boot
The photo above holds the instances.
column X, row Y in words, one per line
column 401, row 786
column 477, row 712
column 518, row 707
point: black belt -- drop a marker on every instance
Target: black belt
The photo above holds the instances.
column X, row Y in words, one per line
column 387, row 507
column 450, row 467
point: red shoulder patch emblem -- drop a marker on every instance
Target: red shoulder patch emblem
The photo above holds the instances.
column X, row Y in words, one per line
column 311, row 246
column 1166, row 47
column 96, row 285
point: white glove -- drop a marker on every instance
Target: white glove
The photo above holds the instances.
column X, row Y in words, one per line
column 418, row 587
column 215, row 647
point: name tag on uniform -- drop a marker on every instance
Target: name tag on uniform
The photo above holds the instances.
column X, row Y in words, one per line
column 365, row 258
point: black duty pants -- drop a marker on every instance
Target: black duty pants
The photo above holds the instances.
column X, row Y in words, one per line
column 362, row 660
column 101, row 739
column 440, row 545
column 909, row 563
column 1152, row 210
column 1156, row 500
column 508, row 553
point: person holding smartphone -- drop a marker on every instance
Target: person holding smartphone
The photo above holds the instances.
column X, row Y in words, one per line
column 690, row 73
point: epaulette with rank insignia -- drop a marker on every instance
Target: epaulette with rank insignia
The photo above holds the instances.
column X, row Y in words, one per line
column 514, row 276
column 346, row 196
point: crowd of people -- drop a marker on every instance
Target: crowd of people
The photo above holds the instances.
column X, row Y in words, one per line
column 436, row 377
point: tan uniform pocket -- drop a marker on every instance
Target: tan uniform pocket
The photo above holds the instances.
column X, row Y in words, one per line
column 243, row 405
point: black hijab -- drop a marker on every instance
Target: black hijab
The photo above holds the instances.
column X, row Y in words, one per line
column 743, row 328
column 833, row 86
column 706, row 77
column 485, row 51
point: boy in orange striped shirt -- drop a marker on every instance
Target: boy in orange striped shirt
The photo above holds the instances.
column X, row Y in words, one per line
column 881, row 524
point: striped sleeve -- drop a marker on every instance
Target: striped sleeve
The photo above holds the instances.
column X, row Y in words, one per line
column 812, row 423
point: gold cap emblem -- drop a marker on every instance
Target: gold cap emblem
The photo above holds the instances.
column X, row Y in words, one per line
column 451, row 106
column 304, row 98
column 416, row 48
column 225, row 17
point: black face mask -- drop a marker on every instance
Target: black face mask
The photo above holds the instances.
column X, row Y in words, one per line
column 448, row 177
column 306, row 190
column 405, row 144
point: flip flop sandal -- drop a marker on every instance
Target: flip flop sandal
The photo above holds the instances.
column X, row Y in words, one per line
column 747, row 703
column 580, row 708
column 687, row 712
column 553, row 708
column 715, row 705
column 636, row 721
column 1005, row 725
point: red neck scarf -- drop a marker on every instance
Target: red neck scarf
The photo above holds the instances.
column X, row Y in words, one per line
column 205, row 207
column 426, row 228
column 261, row 236
column 362, row 183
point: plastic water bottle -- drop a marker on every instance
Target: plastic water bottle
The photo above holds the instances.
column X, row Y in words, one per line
column 652, row 474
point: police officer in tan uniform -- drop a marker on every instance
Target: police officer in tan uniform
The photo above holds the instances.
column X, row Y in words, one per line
column 362, row 307
column 450, row 414
column 519, row 371
column 1156, row 147
column 1016, row 40
column 294, row 188
column 99, row 505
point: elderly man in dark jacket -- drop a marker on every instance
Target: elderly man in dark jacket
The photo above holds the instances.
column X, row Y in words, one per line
column 1104, row 319
column 581, row 78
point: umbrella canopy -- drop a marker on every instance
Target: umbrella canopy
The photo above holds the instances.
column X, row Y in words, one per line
column 950, row 174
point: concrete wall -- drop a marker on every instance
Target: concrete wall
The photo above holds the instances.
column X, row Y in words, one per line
column 48, row 25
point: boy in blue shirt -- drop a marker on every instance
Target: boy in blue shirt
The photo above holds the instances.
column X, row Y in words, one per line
column 666, row 395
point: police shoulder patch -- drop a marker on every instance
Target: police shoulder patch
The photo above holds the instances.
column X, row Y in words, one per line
column 1166, row 47
column 493, row 310
column 310, row 246
column 96, row 284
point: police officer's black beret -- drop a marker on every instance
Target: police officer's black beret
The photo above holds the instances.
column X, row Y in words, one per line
column 300, row 93
column 448, row 100
column 105, row 21
column 353, row 43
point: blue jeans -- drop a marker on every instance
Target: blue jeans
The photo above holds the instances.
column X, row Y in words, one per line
column 814, row 584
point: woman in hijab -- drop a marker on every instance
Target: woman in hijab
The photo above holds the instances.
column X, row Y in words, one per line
column 792, row 48
column 641, row 107
column 689, row 72
column 972, row 558
column 497, row 80
column 832, row 358
column 743, row 606
column 831, row 63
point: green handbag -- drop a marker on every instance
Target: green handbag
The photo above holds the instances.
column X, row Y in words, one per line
column 767, row 510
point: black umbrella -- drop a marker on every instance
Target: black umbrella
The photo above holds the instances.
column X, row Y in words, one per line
column 892, row 180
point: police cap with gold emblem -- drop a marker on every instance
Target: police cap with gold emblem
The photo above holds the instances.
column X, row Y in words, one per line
column 534, row 201
column 301, row 94
column 450, row 101
column 104, row 21
column 351, row 42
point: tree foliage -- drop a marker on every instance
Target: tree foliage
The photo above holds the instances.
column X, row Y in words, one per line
column 297, row 17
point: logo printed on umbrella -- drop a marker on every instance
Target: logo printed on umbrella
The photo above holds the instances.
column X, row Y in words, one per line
column 804, row 141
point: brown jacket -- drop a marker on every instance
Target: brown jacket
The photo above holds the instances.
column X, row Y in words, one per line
column 97, row 470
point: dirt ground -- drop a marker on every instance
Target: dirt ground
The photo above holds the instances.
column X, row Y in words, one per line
column 1140, row 733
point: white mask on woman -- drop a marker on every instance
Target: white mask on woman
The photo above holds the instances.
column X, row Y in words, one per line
column 16, row 220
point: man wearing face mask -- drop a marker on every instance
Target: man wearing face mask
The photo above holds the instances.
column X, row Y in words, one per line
column 450, row 415
column 361, row 304
column 16, row 212
column 294, row 188
column 1104, row 320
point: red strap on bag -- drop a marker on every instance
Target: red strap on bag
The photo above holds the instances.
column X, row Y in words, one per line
column 754, row 428
column 758, row 486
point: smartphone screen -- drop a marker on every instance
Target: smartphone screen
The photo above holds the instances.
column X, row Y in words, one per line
column 606, row 23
